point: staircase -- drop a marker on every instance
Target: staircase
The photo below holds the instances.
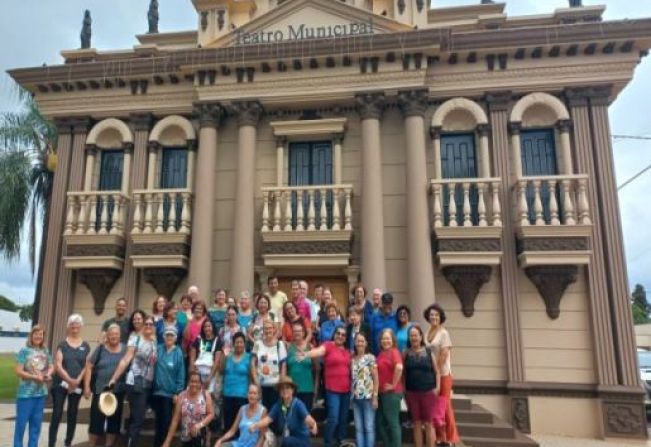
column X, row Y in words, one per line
column 477, row 427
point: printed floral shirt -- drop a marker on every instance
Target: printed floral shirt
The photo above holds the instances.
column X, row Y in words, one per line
column 362, row 371
column 193, row 411
column 33, row 361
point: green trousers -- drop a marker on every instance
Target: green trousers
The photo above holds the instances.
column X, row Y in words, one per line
column 388, row 419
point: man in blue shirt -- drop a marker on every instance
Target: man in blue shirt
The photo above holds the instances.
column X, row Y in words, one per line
column 384, row 319
column 291, row 421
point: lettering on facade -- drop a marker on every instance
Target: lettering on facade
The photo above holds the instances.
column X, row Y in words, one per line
column 303, row 31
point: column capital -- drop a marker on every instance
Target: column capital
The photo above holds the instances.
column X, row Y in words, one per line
column 141, row 121
column 209, row 114
column 435, row 132
column 81, row 125
column 62, row 125
column 413, row 102
column 248, row 112
column 564, row 125
column 281, row 140
column 338, row 138
column 91, row 149
column 514, row 128
column 192, row 145
column 483, row 129
column 595, row 95
column 370, row 105
column 153, row 146
column 127, row 148
column 498, row 101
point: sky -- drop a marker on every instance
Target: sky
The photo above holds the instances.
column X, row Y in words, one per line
column 33, row 32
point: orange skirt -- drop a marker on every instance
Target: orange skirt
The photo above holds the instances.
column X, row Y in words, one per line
column 444, row 422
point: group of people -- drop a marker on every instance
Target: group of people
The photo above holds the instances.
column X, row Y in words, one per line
column 248, row 370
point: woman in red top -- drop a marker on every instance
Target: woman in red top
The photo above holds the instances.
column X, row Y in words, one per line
column 337, row 361
column 389, row 368
column 292, row 317
column 193, row 328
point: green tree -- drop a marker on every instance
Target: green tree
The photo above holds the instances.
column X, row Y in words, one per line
column 640, row 306
column 27, row 142
column 7, row 304
column 26, row 313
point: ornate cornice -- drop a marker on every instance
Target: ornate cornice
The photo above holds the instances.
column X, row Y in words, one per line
column 595, row 95
column 141, row 121
column 370, row 105
column 413, row 102
column 248, row 112
column 209, row 114
column 81, row 125
column 63, row 125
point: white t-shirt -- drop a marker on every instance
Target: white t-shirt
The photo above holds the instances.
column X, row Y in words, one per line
column 270, row 358
column 442, row 340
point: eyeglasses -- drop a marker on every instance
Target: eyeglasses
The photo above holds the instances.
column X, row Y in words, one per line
column 149, row 323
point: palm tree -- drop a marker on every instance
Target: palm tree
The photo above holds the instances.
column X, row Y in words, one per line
column 27, row 144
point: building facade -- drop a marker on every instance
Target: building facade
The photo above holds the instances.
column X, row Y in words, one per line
column 454, row 155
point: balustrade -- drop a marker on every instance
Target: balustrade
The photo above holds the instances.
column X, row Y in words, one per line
column 96, row 213
column 466, row 202
column 161, row 211
column 552, row 200
column 307, row 208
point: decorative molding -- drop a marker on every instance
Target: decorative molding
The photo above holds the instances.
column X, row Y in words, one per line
column 435, row 132
column 401, row 6
column 624, row 419
column 551, row 282
column 552, row 244
column 209, row 114
column 483, row 130
column 468, row 245
column 62, row 125
column 595, row 95
column 220, row 18
column 514, row 128
column 95, row 250
column 564, row 125
column 99, row 282
column 164, row 280
column 204, row 21
column 141, row 121
column 153, row 146
column 520, row 414
column 420, row 4
column 307, row 247
column 370, row 105
column 498, row 101
column 81, row 125
column 161, row 249
column 248, row 112
column 466, row 281
column 413, row 102
column 127, row 148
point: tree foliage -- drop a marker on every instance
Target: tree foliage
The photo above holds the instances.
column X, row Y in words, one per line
column 26, row 313
column 7, row 304
column 640, row 306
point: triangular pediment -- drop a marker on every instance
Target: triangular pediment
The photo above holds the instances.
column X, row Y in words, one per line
column 309, row 19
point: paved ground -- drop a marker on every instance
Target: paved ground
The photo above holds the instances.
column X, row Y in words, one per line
column 7, row 413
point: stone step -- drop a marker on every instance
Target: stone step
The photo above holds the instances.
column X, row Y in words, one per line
column 518, row 441
column 476, row 415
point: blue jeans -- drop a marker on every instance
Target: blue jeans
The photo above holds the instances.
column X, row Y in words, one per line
column 28, row 409
column 364, row 414
column 337, row 405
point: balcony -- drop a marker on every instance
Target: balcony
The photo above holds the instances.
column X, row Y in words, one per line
column 94, row 230
column 467, row 224
column 160, row 235
column 307, row 225
column 94, row 240
column 553, row 227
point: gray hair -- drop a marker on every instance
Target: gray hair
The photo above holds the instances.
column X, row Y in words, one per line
column 75, row 318
column 113, row 326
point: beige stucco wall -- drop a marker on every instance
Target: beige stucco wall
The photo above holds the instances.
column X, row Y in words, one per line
column 558, row 350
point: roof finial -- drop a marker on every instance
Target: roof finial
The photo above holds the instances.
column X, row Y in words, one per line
column 152, row 16
column 86, row 31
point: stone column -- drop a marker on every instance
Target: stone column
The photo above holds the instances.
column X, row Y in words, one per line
column 564, row 127
column 435, row 135
column 65, row 287
column 91, row 153
column 203, row 216
column 280, row 160
column 483, row 131
column 611, row 228
column 54, row 238
column 243, row 252
column 498, row 105
column 420, row 273
column 336, row 159
column 140, row 125
column 370, row 107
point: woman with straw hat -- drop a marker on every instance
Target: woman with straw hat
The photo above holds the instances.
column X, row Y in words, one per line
column 105, row 409
column 289, row 416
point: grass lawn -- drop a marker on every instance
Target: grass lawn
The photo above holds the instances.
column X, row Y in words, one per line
column 8, row 379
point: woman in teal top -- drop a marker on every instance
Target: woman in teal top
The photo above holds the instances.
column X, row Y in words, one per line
column 403, row 315
column 302, row 372
column 34, row 368
column 236, row 370
column 248, row 415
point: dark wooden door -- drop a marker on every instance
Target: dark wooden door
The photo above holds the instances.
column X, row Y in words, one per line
column 538, row 151
column 174, row 174
column 458, row 161
column 310, row 163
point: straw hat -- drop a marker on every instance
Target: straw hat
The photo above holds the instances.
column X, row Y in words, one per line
column 108, row 403
column 286, row 381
